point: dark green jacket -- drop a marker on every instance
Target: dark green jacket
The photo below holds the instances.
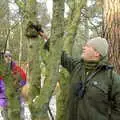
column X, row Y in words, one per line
column 101, row 100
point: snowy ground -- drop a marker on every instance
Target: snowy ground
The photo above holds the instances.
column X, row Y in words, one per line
column 52, row 106
column 27, row 113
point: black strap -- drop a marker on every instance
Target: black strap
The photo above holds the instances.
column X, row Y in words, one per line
column 81, row 86
column 104, row 67
column 92, row 75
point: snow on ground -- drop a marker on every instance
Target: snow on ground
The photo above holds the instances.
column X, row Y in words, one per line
column 52, row 106
column 27, row 113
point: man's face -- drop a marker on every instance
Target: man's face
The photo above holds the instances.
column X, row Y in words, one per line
column 7, row 58
column 89, row 53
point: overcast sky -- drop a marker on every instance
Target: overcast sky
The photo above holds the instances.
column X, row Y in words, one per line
column 49, row 4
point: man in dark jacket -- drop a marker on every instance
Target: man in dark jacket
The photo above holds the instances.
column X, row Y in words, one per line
column 94, row 92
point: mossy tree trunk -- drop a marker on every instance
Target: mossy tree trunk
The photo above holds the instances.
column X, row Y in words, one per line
column 71, row 30
column 57, row 32
column 29, row 12
column 5, row 70
column 33, row 58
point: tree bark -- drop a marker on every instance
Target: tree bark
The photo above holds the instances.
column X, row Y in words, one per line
column 112, row 30
column 71, row 31
column 56, row 43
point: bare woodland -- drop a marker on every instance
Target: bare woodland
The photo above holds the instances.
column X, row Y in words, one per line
column 68, row 31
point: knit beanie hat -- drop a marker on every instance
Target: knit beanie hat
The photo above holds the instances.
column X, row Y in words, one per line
column 8, row 53
column 100, row 45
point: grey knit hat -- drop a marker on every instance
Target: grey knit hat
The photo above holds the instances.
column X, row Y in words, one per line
column 100, row 45
column 8, row 53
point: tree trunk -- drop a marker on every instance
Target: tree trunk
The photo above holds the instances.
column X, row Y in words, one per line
column 21, row 40
column 72, row 25
column 42, row 102
column 71, row 30
column 112, row 30
column 33, row 59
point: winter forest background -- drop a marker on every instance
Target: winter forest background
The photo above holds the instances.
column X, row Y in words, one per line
column 68, row 24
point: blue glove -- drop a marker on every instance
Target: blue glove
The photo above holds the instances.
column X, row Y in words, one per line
column 22, row 83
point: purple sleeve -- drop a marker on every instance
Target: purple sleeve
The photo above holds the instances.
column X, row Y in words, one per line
column 2, row 86
column 3, row 98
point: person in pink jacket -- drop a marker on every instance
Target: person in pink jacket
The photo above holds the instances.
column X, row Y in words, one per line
column 19, row 78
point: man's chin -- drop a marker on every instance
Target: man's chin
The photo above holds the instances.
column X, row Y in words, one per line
column 84, row 58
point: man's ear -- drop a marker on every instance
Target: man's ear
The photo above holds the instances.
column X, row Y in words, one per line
column 97, row 54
